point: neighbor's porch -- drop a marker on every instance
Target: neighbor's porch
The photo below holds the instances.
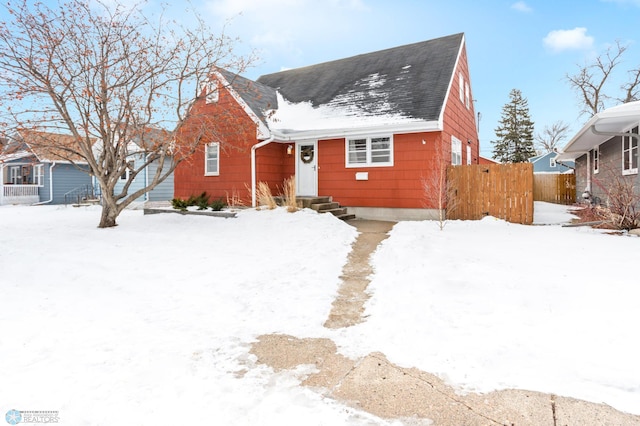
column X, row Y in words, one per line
column 20, row 183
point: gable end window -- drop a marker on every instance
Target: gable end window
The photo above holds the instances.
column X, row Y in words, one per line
column 461, row 86
column 467, row 96
column 630, row 153
column 369, row 152
column 212, row 159
column 456, row 151
column 552, row 163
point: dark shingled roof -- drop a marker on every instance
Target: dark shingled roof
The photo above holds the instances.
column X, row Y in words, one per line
column 259, row 98
column 411, row 80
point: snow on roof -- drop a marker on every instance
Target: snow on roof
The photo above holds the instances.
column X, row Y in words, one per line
column 293, row 117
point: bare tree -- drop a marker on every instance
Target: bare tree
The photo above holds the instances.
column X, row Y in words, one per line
column 590, row 80
column 108, row 76
column 549, row 139
column 438, row 189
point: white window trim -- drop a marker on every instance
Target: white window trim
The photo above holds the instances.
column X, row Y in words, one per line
column 630, row 171
column 127, row 172
column 456, row 148
column 596, row 160
column 213, row 94
column 467, row 96
column 368, row 163
column 38, row 174
column 461, row 84
column 206, row 158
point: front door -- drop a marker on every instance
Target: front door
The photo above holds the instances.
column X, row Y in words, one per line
column 307, row 168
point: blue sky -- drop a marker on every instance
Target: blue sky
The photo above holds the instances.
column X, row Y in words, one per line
column 529, row 45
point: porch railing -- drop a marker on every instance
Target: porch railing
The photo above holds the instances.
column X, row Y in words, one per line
column 14, row 191
column 19, row 194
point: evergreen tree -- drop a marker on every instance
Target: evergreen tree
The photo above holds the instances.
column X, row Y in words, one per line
column 514, row 143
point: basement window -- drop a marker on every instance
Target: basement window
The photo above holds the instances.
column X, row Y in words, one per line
column 630, row 153
column 369, row 152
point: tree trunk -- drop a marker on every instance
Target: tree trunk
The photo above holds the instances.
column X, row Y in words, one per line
column 110, row 212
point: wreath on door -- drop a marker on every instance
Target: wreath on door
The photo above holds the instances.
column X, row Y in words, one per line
column 306, row 154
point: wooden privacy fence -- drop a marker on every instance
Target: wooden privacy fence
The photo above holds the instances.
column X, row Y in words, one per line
column 555, row 188
column 504, row 191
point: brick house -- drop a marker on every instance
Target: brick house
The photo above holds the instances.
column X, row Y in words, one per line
column 605, row 152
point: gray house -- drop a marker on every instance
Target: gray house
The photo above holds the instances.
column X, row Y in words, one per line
column 605, row 152
column 33, row 175
column 548, row 163
column 137, row 157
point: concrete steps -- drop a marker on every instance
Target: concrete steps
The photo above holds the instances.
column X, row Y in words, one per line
column 324, row 205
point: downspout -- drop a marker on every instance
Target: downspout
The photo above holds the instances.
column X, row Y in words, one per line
column 50, row 186
column 253, row 167
column 146, row 178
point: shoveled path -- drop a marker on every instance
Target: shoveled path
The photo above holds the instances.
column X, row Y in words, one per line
column 414, row 397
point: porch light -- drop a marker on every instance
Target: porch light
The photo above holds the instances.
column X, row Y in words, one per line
column 289, row 149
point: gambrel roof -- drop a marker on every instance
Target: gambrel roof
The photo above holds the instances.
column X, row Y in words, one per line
column 411, row 80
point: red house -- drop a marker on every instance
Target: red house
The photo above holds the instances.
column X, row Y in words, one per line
column 367, row 131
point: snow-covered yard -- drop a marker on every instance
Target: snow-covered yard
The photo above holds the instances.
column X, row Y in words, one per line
column 150, row 323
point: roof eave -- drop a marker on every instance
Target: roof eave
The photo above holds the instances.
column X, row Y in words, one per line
column 284, row 135
column 615, row 119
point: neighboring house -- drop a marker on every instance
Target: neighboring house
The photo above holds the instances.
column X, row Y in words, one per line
column 548, row 163
column 31, row 174
column 604, row 152
column 137, row 157
column 485, row 160
column 368, row 130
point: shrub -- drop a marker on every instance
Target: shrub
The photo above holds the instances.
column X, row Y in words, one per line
column 218, row 205
column 179, row 204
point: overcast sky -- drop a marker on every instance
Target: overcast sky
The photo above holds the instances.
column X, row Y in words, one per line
column 528, row 45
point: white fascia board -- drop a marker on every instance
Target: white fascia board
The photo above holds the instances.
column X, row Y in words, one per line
column 615, row 119
column 453, row 76
column 262, row 130
column 410, row 127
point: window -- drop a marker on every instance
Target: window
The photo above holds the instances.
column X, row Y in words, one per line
column 461, row 86
column 38, row 174
column 127, row 172
column 212, row 92
column 630, row 153
column 596, row 159
column 552, row 162
column 468, row 154
column 370, row 152
column 467, row 96
column 456, row 151
column 14, row 173
column 212, row 159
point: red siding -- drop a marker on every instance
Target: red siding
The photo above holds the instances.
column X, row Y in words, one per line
column 227, row 123
column 459, row 121
column 399, row 186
